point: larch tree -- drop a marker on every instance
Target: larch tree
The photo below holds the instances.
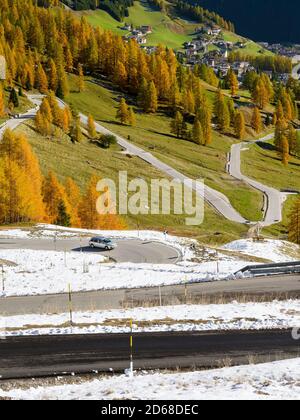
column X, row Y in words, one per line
column 222, row 112
column 76, row 132
column 41, row 80
column 89, row 216
column 256, row 121
column 74, row 198
column 240, row 125
column 80, row 81
column 53, row 195
column 123, row 112
column 198, row 136
column 280, row 134
column 292, row 136
column 142, row 95
column 151, row 98
column 177, row 125
column 53, row 76
column 205, row 118
column 20, row 181
column 91, row 127
column 233, row 82
column 188, row 102
column 260, row 94
column 63, row 86
column 2, row 103
column 131, row 117
column 285, row 151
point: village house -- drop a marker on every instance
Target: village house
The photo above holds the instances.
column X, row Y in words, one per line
column 146, row 29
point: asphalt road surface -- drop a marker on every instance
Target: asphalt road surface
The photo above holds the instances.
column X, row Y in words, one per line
column 23, row 357
column 264, row 288
column 134, row 251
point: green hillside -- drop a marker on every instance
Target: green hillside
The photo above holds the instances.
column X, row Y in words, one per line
column 167, row 31
column 172, row 31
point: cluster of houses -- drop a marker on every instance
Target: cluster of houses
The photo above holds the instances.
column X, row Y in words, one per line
column 291, row 50
column 139, row 34
column 208, row 47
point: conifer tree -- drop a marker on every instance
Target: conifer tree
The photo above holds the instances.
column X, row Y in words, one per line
column 123, row 112
column 53, row 76
column 205, row 117
column 285, row 151
column 292, row 137
column 76, row 133
column 142, row 95
column 89, row 216
column 74, row 198
column 177, row 125
column 91, row 127
column 198, row 136
column 81, row 82
column 151, row 98
column 131, row 117
column 41, row 80
column 240, row 125
column 13, row 98
column 280, row 134
column 53, row 194
column 2, row 104
column 256, row 122
column 63, row 86
column 260, row 94
column 20, row 181
column 233, row 82
column 222, row 116
column 63, row 218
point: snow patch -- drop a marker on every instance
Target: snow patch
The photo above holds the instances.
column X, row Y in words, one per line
column 273, row 250
column 270, row 381
column 233, row 316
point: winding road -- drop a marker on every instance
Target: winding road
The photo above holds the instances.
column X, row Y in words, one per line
column 274, row 199
column 131, row 250
column 261, row 288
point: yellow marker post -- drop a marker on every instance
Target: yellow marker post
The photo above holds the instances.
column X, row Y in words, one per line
column 70, row 305
column 131, row 347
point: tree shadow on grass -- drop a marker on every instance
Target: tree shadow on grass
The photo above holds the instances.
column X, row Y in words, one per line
column 266, row 146
column 113, row 122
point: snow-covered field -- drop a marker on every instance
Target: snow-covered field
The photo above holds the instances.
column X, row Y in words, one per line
column 44, row 272
column 278, row 380
column 274, row 250
column 233, row 316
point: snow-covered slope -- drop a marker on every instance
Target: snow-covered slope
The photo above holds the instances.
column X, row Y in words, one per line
column 44, row 272
column 273, row 250
column 233, row 316
column 278, row 380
